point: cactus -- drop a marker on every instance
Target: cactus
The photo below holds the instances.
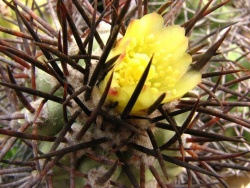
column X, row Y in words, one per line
column 123, row 94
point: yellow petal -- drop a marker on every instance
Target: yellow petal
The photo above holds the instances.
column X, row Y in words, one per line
column 120, row 95
column 173, row 39
column 123, row 94
column 146, row 99
column 149, row 23
column 181, row 63
column 189, row 81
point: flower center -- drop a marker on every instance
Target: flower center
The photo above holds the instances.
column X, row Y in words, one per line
column 135, row 60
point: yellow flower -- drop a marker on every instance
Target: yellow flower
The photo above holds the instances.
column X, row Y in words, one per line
column 168, row 73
